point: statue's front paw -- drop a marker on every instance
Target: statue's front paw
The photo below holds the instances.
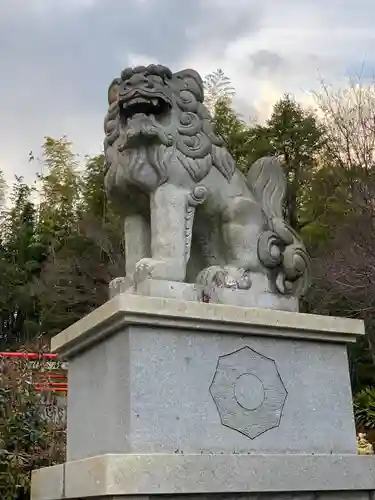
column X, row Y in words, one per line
column 168, row 269
column 146, row 268
column 119, row 285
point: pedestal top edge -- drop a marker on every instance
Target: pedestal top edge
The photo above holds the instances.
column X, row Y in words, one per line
column 127, row 309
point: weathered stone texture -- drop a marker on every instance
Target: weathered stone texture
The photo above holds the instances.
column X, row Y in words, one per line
column 190, row 215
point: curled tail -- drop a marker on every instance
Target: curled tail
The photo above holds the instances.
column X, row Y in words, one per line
column 267, row 181
column 280, row 246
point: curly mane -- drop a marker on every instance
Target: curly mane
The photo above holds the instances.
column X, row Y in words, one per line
column 197, row 146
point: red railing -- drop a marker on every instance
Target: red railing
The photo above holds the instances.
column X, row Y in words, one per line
column 28, row 355
column 46, row 380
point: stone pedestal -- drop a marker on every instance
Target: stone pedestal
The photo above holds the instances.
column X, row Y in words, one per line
column 170, row 397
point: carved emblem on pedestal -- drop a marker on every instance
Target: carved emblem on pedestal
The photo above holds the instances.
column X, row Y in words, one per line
column 248, row 392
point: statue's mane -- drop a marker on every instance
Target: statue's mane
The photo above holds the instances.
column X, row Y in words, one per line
column 197, row 146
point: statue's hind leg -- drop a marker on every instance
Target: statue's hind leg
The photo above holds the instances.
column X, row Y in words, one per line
column 242, row 222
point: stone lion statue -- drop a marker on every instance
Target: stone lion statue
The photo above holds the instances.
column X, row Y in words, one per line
column 192, row 219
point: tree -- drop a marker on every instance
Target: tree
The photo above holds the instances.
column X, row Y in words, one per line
column 349, row 117
column 291, row 132
column 345, row 278
column 217, row 86
column 295, row 134
column 93, row 196
column 21, row 258
column 60, row 189
column 84, row 237
column 3, row 188
column 233, row 131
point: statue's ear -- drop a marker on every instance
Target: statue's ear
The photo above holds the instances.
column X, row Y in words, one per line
column 113, row 90
column 192, row 81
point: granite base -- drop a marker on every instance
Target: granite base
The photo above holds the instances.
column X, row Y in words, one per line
column 181, row 398
column 214, row 476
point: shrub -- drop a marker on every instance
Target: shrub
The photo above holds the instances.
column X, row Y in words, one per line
column 29, row 439
column 364, row 409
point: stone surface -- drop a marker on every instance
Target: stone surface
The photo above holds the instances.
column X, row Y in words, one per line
column 147, row 390
column 345, row 495
column 199, row 293
column 166, row 289
column 126, row 309
column 242, row 298
column 248, row 392
column 341, row 495
column 48, row 483
column 347, row 477
column 190, row 215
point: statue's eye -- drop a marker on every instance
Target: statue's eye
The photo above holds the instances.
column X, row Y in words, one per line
column 157, row 79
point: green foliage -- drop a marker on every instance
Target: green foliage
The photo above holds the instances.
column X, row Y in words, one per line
column 27, row 439
column 364, row 409
column 233, row 131
column 84, row 239
column 93, row 195
column 295, row 134
column 57, row 253
column 60, row 189
column 291, row 132
column 20, row 262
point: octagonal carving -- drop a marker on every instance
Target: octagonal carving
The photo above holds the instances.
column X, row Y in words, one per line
column 248, row 392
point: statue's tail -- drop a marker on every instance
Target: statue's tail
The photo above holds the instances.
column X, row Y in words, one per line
column 267, row 181
column 280, row 245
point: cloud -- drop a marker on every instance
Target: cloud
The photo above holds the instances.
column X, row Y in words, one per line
column 57, row 58
column 265, row 62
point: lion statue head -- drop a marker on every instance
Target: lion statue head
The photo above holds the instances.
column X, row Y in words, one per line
column 155, row 119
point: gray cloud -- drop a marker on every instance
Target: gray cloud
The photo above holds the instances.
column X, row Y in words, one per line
column 218, row 27
column 75, row 55
column 56, row 64
column 57, row 59
column 265, row 62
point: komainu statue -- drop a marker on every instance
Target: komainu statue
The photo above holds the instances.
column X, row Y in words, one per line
column 195, row 227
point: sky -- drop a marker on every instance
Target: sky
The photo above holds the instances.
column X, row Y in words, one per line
column 58, row 57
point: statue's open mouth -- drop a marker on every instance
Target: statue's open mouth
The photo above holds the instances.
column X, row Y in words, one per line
column 156, row 106
column 143, row 117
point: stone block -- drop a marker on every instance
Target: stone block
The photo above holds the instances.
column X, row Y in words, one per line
column 147, row 390
column 48, row 483
column 280, row 477
column 146, row 372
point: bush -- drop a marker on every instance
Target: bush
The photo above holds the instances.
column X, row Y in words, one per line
column 29, row 438
column 364, row 409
